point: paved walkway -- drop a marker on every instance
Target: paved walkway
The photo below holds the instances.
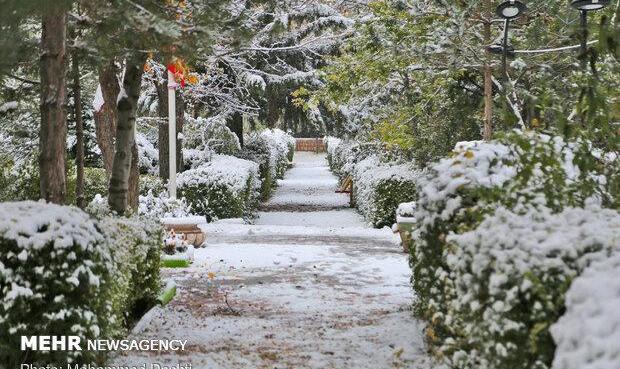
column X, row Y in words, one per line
column 309, row 285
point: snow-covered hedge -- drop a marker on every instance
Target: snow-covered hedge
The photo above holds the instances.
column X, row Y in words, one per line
column 210, row 134
column 282, row 146
column 225, row 187
column 508, row 279
column 522, row 172
column 343, row 155
column 161, row 206
column 272, row 150
column 587, row 335
column 381, row 187
column 64, row 273
column 148, row 155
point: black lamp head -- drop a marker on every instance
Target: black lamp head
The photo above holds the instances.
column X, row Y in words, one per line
column 511, row 9
column 587, row 5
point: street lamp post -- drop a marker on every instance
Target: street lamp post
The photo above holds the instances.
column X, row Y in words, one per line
column 585, row 6
column 172, row 136
column 508, row 10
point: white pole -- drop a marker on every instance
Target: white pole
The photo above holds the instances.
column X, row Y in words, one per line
column 172, row 137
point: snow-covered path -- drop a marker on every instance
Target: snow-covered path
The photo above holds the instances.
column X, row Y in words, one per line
column 309, row 285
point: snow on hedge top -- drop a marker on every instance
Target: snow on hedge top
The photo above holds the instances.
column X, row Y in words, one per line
column 279, row 140
column 372, row 170
column 229, row 171
column 34, row 224
column 588, row 335
column 331, row 143
column 494, row 164
column 538, row 237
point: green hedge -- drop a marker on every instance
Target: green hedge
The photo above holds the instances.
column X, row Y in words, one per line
column 65, row 273
column 519, row 172
column 225, row 187
column 381, row 187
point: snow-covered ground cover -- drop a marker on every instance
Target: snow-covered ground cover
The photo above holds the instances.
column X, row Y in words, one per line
column 303, row 288
column 309, row 183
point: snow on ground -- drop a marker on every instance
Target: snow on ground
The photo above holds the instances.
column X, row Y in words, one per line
column 306, row 288
column 309, row 184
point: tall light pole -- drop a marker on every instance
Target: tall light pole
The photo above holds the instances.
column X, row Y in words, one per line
column 172, row 136
column 508, row 10
column 585, row 6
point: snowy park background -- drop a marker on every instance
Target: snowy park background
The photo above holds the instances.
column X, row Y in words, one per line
column 312, row 183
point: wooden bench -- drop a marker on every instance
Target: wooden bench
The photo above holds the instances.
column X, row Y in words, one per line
column 188, row 227
column 347, row 187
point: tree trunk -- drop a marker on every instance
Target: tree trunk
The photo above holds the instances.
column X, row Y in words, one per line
column 125, row 133
column 79, row 131
column 162, row 128
column 235, row 124
column 106, row 117
column 53, row 133
column 134, row 180
column 162, row 110
column 487, row 132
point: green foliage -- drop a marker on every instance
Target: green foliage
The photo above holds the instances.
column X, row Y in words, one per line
column 149, row 183
column 411, row 76
column 137, row 246
column 520, row 172
column 20, row 182
column 218, row 201
column 388, row 194
column 69, row 274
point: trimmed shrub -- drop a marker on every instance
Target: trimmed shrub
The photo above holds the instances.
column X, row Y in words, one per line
column 588, row 333
column 521, row 172
column 161, row 206
column 272, row 150
column 63, row 273
column 281, row 149
column 508, row 280
column 55, row 267
column 381, row 187
column 210, row 134
column 137, row 243
column 225, row 187
column 343, row 155
column 256, row 149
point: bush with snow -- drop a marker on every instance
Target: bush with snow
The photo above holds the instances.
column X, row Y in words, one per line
column 225, row 187
column 588, row 333
column 19, row 180
column 55, row 271
column 522, row 172
column 161, row 206
column 148, row 155
column 65, row 273
column 343, row 155
column 210, row 134
column 136, row 244
column 381, row 187
column 508, row 279
column 272, row 150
